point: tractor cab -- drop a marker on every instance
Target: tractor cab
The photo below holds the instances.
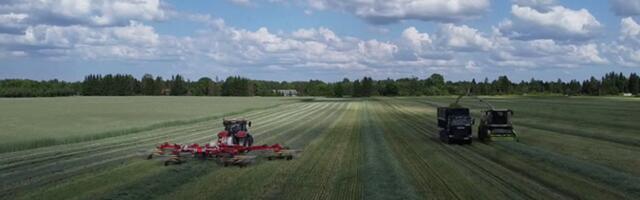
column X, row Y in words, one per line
column 236, row 132
column 236, row 124
column 499, row 117
column 496, row 125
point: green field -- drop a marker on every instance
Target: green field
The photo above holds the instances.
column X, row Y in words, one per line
column 378, row 148
column 45, row 121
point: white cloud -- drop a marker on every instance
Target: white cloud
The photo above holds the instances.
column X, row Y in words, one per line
column 388, row 11
column 625, row 7
column 630, row 30
column 12, row 18
column 82, row 12
column 12, row 22
column 135, row 41
column 546, row 53
column 626, row 51
column 416, row 40
column 537, row 4
column 450, row 48
column 462, row 38
column 556, row 23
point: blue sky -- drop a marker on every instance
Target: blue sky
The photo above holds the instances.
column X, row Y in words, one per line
column 320, row 39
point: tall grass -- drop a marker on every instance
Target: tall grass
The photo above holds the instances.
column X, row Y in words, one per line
column 45, row 142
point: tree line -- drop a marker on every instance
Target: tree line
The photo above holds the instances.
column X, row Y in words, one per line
column 127, row 85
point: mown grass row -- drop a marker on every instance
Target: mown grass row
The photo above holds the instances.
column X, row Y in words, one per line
column 45, row 142
column 612, row 122
column 574, row 140
column 100, row 151
column 202, row 135
column 133, row 186
column 580, row 174
column 162, row 134
column 383, row 176
column 507, row 182
column 436, row 170
column 263, row 178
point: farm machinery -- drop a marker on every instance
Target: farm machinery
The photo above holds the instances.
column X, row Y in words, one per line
column 233, row 146
column 455, row 123
column 495, row 125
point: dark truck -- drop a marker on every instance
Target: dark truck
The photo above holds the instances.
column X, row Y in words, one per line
column 455, row 125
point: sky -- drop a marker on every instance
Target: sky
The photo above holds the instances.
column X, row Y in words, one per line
column 288, row 40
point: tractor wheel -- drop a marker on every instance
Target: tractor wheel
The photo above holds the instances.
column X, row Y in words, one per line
column 469, row 142
column 248, row 141
column 150, row 157
column 235, row 140
column 290, row 157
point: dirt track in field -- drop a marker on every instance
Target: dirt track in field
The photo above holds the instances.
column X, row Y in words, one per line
column 384, row 148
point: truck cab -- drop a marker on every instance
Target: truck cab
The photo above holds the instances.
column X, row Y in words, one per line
column 455, row 125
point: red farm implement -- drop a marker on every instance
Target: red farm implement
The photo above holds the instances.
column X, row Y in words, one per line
column 234, row 146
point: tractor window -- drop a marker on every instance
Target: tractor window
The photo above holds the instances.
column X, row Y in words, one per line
column 499, row 118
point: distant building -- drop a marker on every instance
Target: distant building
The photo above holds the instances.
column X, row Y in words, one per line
column 165, row 91
column 627, row 94
column 286, row 93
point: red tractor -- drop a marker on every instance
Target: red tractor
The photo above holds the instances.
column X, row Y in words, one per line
column 232, row 147
column 236, row 132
